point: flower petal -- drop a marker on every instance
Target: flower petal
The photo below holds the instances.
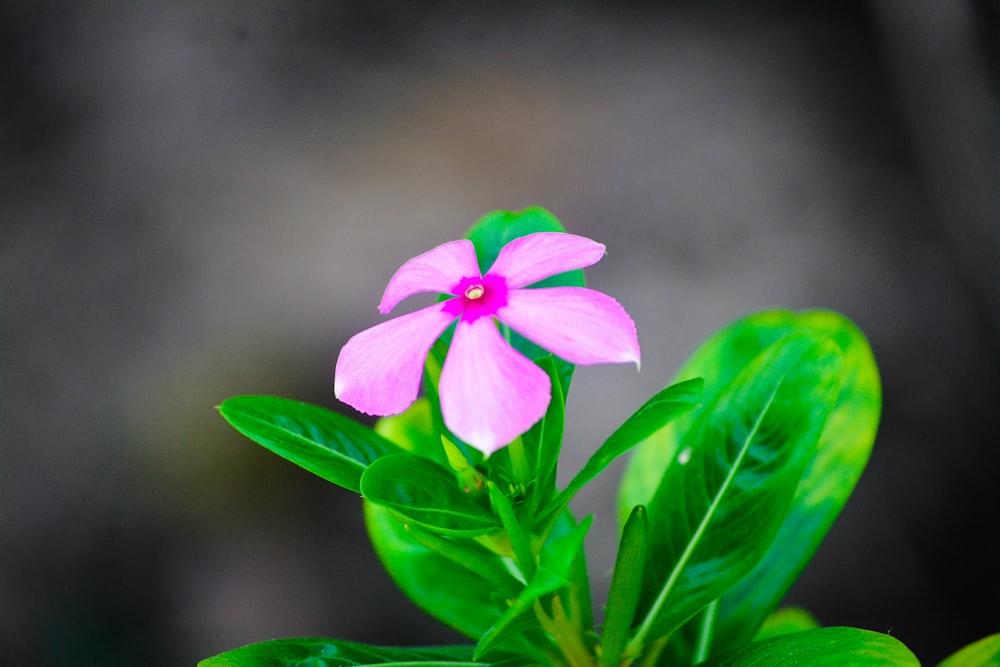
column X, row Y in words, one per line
column 490, row 393
column 378, row 370
column 437, row 270
column 531, row 258
column 583, row 326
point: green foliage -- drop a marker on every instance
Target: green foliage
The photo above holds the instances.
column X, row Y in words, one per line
column 737, row 472
column 316, row 652
column 323, row 442
column 821, row 647
column 983, row 653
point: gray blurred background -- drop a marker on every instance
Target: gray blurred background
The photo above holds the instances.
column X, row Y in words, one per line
column 199, row 200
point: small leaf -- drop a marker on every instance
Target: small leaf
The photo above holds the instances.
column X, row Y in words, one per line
column 983, row 653
column 626, row 588
column 426, row 493
column 316, row 652
column 325, row 443
column 719, row 506
column 669, row 404
column 822, row 647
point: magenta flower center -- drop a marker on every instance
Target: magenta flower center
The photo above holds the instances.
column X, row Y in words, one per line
column 478, row 296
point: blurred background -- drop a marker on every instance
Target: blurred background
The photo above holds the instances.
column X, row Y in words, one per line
column 199, row 200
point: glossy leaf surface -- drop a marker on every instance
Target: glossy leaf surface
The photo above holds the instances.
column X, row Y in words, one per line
column 722, row 501
column 325, row 443
column 829, row 478
column 428, row 494
column 822, row 647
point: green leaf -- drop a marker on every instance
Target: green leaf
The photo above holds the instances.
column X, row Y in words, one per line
column 829, row 478
column 669, row 404
column 461, row 598
column 983, row 653
column 626, row 588
column 555, row 568
column 428, row 494
column 325, row 443
column 317, row 652
column 544, row 441
column 822, row 647
column 786, row 621
column 720, row 505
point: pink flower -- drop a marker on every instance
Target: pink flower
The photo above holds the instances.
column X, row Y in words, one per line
column 490, row 393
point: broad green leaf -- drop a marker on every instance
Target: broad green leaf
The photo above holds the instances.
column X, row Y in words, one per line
column 555, row 568
column 428, row 494
column 983, row 653
column 318, row 652
column 669, row 404
column 626, row 588
column 458, row 597
column 829, row 479
column 786, row 621
column 718, row 360
column 719, row 507
column 822, row 647
column 325, row 443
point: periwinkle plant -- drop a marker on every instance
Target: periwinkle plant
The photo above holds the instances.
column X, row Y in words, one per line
column 738, row 470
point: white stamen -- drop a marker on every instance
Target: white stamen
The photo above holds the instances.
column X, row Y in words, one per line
column 474, row 292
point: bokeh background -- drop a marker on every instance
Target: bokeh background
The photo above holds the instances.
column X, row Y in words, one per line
column 199, row 200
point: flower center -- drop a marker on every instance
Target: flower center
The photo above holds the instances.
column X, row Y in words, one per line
column 473, row 292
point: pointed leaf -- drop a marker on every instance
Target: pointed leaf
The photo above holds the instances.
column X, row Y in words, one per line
column 983, row 653
column 427, row 494
column 719, row 506
column 828, row 481
column 669, row 404
column 822, row 647
column 626, row 587
column 325, row 443
column 317, row 652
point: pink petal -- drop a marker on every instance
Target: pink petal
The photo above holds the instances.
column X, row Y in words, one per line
column 379, row 370
column 581, row 325
column 531, row 258
column 490, row 393
column 437, row 270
